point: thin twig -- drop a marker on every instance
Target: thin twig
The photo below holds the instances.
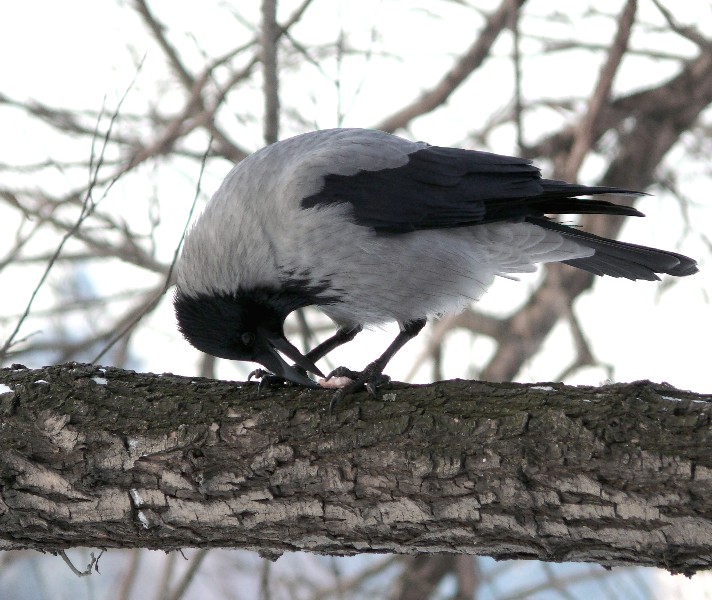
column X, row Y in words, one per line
column 158, row 29
column 169, row 566
column 688, row 33
column 189, row 575
column 94, row 564
column 127, row 581
column 169, row 276
column 87, row 209
column 565, row 582
column 347, row 585
column 467, row 573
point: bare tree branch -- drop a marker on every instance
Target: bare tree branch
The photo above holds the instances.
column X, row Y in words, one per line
column 422, row 574
column 517, row 65
column 270, row 70
column 660, row 117
column 153, row 302
column 125, row 590
column 464, row 66
column 705, row 44
column 189, row 575
column 88, row 206
column 158, row 31
column 584, row 135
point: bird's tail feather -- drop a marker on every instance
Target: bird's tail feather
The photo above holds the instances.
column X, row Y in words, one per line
column 621, row 259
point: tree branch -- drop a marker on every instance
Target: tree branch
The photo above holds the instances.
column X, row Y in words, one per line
column 584, row 135
column 617, row 475
column 660, row 115
column 465, row 65
column 270, row 72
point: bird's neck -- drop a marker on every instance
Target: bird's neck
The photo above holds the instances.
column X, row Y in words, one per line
column 289, row 296
column 280, row 301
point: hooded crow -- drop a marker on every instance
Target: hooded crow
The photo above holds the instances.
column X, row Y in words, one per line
column 371, row 228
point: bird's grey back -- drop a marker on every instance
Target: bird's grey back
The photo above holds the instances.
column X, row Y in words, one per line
column 256, row 210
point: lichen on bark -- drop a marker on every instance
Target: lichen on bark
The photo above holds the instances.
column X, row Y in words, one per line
column 618, row 474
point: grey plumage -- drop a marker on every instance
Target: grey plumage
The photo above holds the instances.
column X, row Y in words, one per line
column 372, row 228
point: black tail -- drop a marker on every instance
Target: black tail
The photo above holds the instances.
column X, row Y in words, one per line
column 611, row 257
column 620, row 259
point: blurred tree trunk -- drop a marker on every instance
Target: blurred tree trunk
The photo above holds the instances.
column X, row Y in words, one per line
column 618, row 475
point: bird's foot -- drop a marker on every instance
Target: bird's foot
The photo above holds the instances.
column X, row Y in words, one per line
column 271, row 380
column 371, row 378
column 266, row 380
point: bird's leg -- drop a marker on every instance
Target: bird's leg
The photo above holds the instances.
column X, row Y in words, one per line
column 372, row 376
column 341, row 337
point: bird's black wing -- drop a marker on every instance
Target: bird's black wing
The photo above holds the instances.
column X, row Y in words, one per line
column 449, row 187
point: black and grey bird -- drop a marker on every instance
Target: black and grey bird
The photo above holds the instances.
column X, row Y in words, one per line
column 372, row 228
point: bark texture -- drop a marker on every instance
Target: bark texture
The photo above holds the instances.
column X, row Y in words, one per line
column 619, row 474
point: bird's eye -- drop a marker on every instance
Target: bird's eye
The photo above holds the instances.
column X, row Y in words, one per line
column 247, row 338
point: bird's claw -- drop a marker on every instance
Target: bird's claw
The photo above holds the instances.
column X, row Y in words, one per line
column 371, row 378
column 258, row 374
column 266, row 380
column 343, row 372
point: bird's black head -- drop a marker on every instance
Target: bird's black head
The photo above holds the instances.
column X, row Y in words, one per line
column 240, row 327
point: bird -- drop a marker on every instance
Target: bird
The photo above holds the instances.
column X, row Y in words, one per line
column 372, row 228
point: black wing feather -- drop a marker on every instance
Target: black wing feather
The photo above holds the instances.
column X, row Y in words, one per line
column 449, row 187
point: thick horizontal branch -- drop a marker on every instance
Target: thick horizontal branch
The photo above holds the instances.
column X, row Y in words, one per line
column 619, row 474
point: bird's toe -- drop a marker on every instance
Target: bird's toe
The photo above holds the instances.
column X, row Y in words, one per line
column 370, row 378
column 258, row 374
column 267, row 380
column 343, row 372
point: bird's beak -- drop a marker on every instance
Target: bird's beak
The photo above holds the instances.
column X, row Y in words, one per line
column 275, row 363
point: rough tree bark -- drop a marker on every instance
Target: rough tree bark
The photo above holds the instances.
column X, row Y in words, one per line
column 619, row 474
